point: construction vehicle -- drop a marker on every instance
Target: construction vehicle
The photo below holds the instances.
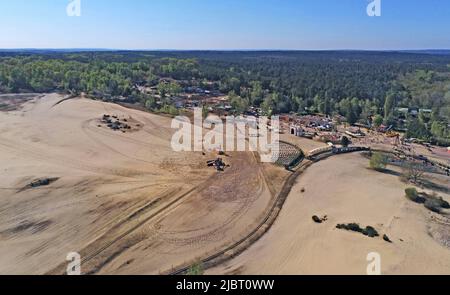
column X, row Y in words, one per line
column 217, row 163
column 392, row 134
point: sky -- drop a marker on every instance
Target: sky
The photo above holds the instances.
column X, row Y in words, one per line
column 226, row 24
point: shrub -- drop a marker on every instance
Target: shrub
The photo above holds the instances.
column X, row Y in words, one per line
column 413, row 195
column 431, row 202
column 370, row 232
column 351, row 227
column 196, row 269
column 413, row 173
column 444, row 204
column 440, row 201
column 316, row 219
column 433, row 205
column 378, row 161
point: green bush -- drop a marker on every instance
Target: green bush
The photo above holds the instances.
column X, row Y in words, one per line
column 412, row 194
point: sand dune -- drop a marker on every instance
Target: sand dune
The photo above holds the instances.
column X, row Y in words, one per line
column 346, row 191
column 130, row 205
column 125, row 201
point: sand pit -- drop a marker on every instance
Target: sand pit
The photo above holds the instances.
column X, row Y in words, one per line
column 124, row 200
column 343, row 189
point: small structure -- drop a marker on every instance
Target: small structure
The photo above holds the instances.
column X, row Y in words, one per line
column 296, row 130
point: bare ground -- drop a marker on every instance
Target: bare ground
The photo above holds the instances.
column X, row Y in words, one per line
column 125, row 201
column 344, row 190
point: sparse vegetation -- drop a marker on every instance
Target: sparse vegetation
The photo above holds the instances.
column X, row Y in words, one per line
column 316, row 219
column 368, row 231
column 431, row 202
column 196, row 269
column 299, row 82
column 413, row 173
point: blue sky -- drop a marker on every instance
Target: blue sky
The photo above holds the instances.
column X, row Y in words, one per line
column 225, row 24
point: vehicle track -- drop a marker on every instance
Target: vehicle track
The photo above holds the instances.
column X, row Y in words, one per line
column 108, row 239
column 259, row 231
column 245, row 200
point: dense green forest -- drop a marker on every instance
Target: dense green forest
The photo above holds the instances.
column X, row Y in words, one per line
column 357, row 85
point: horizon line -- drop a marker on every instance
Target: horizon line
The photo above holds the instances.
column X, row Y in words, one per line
column 230, row 50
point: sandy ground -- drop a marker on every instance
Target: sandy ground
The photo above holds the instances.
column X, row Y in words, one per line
column 125, row 201
column 296, row 245
column 130, row 205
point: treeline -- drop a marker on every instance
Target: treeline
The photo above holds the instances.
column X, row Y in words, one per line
column 36, row 74
column 361, row 86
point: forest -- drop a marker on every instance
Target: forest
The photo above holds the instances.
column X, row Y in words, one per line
column 363, row 86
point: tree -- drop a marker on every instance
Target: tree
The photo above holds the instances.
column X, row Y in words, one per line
column 268, row 106
column 377, row 121
column 417, row 129
column 412, row 194
column 174, row 88
column 378, row 161
column 346, row 109
column 257, row 93
column 150, row 103
column 439, row 129
column 205, row 112
column 389, row 105
column 238, row 103
column 163, row 89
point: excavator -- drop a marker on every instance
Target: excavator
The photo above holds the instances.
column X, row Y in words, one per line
column 218, row 164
